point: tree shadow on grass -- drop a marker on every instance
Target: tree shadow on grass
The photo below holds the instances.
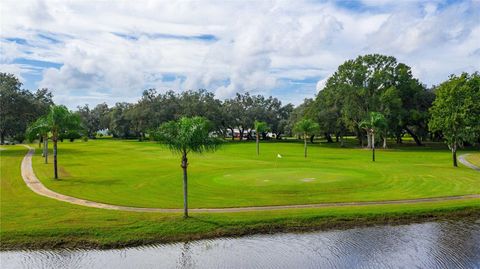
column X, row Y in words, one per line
column 74, row 181
column 60, row 150
column 12, row 151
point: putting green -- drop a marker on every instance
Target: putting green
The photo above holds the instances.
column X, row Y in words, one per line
column 301, row 177
column 148, row 175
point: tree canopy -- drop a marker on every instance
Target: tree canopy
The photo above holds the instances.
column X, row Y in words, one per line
column 306, row 127
column 187, row 134
column 39, row 128
column 373, row 83
column 456, row 111
column 368, row 83
column 19, row 107
column 374, row 122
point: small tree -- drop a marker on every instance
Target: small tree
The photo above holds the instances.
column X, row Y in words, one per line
column 58, row 121
column 39, row 129
column 306, row 128
column 456, row 111
column 184, row 136
column 260, row 127
column 375, row 122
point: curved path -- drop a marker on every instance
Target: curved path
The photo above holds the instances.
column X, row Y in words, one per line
column 36, row 186
column 464, row 161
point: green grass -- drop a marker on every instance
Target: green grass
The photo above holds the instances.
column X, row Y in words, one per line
column 474, row 159
column 31, row 221
column 148, row 175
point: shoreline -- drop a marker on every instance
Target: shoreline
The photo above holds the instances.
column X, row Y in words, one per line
column 299, row 225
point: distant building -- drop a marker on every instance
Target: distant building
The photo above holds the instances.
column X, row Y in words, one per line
column 236, row 133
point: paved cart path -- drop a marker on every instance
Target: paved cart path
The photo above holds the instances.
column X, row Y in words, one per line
column 36, row 186
column 462, row 159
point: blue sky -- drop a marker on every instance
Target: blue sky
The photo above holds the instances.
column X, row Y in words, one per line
column 89, row 52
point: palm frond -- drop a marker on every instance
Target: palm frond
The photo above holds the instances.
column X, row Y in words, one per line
column 187, row 134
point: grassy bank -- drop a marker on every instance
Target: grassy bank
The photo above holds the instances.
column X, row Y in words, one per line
column 32, row 221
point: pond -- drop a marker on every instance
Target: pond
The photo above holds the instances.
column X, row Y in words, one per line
column 444, row 244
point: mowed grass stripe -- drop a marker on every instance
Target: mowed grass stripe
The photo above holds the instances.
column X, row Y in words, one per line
column 145, row 174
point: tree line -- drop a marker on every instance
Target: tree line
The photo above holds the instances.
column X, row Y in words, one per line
column 369, row 86
column 19, row 107
column 373, row 83
column 374, row 96
column 127, row 120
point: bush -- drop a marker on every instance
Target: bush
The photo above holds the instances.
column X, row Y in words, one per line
column 72, row 135
column 19, row 138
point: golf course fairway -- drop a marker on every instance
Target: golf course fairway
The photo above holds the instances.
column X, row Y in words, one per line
column 146, row 174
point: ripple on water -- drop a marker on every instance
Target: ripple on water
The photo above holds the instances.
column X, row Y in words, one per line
column 450, row 244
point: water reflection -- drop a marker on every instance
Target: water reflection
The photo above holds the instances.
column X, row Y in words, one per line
column 452, row 244
column 186, row 260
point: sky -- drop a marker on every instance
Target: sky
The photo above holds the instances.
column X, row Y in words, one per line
column 90, row 52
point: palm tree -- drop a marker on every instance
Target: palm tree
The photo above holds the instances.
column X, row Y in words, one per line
column 306, row 127
column 39, row 129
column 184, row 136
column 260, row 127
column 58, row 121
column 376, row 121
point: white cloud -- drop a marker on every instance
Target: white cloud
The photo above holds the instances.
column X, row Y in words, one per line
column 322, row 83
column 111, row 52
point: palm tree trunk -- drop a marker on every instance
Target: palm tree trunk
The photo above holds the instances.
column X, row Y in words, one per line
column 369, row 140
column 185, row 184
column 305, row 145
column 55, row 157
column 373, row 146
column 258, row 144
column 43, row 146
column 45, row 149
